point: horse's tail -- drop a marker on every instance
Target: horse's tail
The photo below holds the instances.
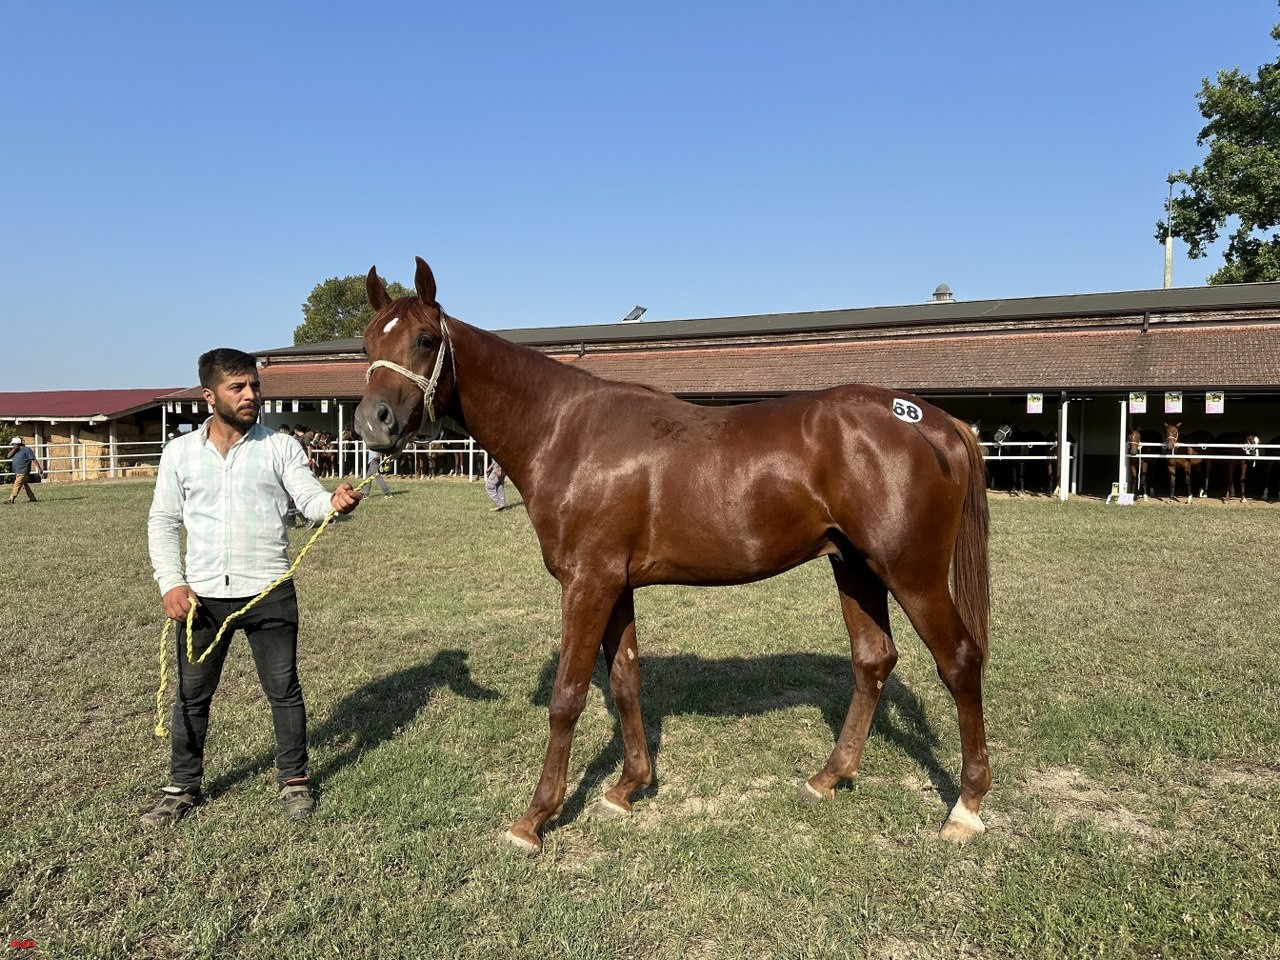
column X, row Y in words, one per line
column 970, row 561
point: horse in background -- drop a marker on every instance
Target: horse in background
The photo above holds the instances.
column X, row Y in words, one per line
column 983, row 437
column 1009, row 473
column 1139, row 465
column 1273, row 468
column 1187, row 463
column 1038, row 474
column 1238, row 468
column 325, row 455
column 443, row 457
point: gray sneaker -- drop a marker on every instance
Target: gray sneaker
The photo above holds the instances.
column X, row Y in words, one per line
column 174, row 804
column 298, row 800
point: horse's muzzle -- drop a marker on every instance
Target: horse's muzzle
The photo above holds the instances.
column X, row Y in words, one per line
column 381, row 428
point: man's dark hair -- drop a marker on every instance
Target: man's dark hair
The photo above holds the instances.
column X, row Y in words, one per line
column 223, row 362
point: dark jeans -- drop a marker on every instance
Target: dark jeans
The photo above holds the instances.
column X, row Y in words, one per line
column 272, row 629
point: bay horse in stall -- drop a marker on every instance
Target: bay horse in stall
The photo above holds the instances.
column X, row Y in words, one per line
column 1038, row 474
column 1138, row 464
column 1007, row 440
column 1188, row 463
column 1238, row 468
column 1273, row 467
column 626, row 487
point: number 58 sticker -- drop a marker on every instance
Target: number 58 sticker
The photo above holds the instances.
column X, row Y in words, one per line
column 907, row 411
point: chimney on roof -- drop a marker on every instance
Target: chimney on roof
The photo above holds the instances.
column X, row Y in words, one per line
column 942, row 294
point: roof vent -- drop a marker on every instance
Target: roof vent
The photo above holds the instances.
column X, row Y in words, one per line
column 942, row 294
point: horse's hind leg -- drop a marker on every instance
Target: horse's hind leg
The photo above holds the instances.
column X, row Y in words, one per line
column 624, row 684
column 864, row 602
column 959, row 658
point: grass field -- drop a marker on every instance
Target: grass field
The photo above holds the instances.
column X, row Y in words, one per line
column 1131, row 705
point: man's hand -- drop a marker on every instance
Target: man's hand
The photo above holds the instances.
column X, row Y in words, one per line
column 345, row 498
column 178, row 601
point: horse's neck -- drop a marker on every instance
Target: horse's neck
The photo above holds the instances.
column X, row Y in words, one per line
column 506, row 396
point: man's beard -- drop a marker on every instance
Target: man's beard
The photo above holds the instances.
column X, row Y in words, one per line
column 228, row 415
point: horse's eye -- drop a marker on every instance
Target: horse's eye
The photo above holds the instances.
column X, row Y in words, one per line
column 424, row 342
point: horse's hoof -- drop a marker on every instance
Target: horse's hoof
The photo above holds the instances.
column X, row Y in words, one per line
column 606, row 809
column 810, row 794
column 962, row 825
column 528, row 848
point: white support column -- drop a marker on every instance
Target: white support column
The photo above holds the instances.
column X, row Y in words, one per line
column 341, row 451
column 113, row 447
column 74, row 451
column 1064, row 453
column 1124, row 446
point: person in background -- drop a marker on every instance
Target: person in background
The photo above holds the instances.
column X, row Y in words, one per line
column 22, row 459
column 228, row 484
column 374, row 465
column 495, row 479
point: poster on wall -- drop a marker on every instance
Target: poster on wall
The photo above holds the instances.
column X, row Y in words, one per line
column 295, row 406
column 324, row 406
column 1137, row 402
column 1035, row 403
column 1173, row 401
column 1214, row 401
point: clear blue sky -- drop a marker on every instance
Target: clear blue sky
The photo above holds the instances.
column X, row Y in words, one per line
column 179, row 176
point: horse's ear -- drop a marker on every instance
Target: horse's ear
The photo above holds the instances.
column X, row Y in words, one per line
column 424, row 282
column 376, row 290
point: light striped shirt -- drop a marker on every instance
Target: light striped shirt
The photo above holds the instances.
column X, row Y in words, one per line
column 234, row 511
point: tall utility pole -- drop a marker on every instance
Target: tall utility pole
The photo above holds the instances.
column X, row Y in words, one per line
column 1168, row 237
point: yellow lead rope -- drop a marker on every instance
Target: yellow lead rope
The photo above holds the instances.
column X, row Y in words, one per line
column 160, row 730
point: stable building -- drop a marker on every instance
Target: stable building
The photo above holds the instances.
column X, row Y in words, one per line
column 1078, row 364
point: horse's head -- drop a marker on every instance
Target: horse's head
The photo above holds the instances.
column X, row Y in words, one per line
column 1171, row 436
column 407, row 342
column 1135, row 442
column 1251, row 442
column 1002, row 433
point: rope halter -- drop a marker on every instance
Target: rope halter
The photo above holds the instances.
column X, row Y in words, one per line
column 427, row 386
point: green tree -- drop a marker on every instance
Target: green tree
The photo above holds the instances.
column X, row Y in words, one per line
column 1239, row 181
column 338, row 309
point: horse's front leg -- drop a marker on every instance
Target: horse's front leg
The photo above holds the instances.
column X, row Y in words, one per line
column 584, row 612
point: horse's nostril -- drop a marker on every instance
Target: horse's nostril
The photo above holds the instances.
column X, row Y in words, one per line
column 383, row 413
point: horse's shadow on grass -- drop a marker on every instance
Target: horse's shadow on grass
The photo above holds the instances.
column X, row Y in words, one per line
column 370, row 716
column 752, row 686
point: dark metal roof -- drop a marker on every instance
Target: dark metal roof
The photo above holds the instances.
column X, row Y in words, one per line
column 1258, row 296
column 78, row 404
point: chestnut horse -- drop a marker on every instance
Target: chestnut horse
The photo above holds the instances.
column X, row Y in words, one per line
column 627, row 487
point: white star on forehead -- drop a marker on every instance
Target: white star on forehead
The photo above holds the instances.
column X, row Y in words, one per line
column 390, row 323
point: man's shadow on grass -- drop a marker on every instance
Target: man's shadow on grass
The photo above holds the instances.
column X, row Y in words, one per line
column 751, row 686
column 370, row 716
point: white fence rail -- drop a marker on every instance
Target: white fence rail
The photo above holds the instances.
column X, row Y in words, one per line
column 96, row 460
column 1196, row 451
